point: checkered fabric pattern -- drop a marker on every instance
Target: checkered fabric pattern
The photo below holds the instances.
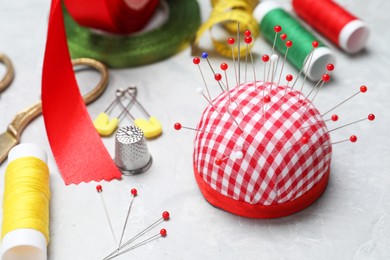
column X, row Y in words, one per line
column 283, row 139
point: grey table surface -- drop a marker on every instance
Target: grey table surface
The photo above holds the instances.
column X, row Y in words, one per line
column 350, row 221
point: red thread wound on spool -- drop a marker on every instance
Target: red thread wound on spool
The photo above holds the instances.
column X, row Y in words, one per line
column 334, row 22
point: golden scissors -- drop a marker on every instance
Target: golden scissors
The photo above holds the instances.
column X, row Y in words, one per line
column 9, row 72
column 11, row 136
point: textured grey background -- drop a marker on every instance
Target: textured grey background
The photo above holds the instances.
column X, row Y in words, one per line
column 350, row 221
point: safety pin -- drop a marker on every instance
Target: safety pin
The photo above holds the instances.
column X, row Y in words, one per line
column 106, row 126
column 9, row 72
column 102, row 123
column 151, row 126
column 11, row 136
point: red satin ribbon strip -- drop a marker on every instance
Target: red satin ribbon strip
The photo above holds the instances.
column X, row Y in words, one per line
column 76, row 146
column 115, row 16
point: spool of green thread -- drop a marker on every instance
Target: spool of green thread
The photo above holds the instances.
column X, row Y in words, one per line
column 119, row 51
column 269, row 14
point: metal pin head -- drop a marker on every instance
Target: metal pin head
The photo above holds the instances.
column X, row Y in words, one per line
column 131, row 152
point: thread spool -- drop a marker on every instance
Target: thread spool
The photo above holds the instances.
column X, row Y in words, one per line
column 269, row 14
column 22, row 239
column 337, row 24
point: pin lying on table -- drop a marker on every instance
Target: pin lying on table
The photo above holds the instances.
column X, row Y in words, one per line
column 106, row 126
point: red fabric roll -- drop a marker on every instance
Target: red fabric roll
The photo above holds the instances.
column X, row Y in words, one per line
column 115, row 16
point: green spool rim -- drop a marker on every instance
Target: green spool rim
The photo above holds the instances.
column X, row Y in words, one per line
column 119, row 51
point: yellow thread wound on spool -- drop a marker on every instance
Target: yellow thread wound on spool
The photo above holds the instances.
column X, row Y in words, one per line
column 26, row 196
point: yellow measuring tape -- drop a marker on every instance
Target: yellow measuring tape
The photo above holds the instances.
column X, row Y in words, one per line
column 228, row 13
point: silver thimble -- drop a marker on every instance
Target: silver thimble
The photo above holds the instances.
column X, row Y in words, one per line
column 131, row 152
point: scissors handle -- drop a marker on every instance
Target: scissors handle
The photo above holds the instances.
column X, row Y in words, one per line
column 24, row 117
column 9, row 72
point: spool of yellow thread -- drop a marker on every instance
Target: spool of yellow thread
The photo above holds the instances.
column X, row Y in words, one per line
column 25, row 229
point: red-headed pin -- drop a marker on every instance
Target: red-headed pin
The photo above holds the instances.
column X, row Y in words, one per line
column 306, row 65
column 231, row 42
column 196, row 61
column 351, row 139
column 302, row 141
column 325, row 78
column 370, row 117
column 330, row 67
column 133, row 193
column 248, row 40
column 288, row 46
column 163, row 232
column 362, row 89
column 164, row 217
column 334, row 117
column 177, row 126
column 289, row 78
column 99, row 189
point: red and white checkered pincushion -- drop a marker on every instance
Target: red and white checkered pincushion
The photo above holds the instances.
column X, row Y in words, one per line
column 262, row 165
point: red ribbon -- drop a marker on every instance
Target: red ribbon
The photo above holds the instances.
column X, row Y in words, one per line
column 115, row 16
column 76, row 146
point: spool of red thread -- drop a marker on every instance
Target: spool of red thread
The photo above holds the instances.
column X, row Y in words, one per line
column 337, row 24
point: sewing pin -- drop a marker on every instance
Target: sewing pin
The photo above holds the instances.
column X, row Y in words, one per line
column 196, row 61
column 363, row 89
column 351, row 139
column 370, row 117
column 165, row 217
column 231, row 42
column 162, row 233
column 277, row 30
column 308, row 60
column 325, row 78
column 177, row 126
column 200, row 92
column 303, row 140
column 288, row 46
column 333, row 118
column 133, row 195
column 99, row 189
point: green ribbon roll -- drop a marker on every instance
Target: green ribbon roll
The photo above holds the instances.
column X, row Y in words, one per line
column 119, row 51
